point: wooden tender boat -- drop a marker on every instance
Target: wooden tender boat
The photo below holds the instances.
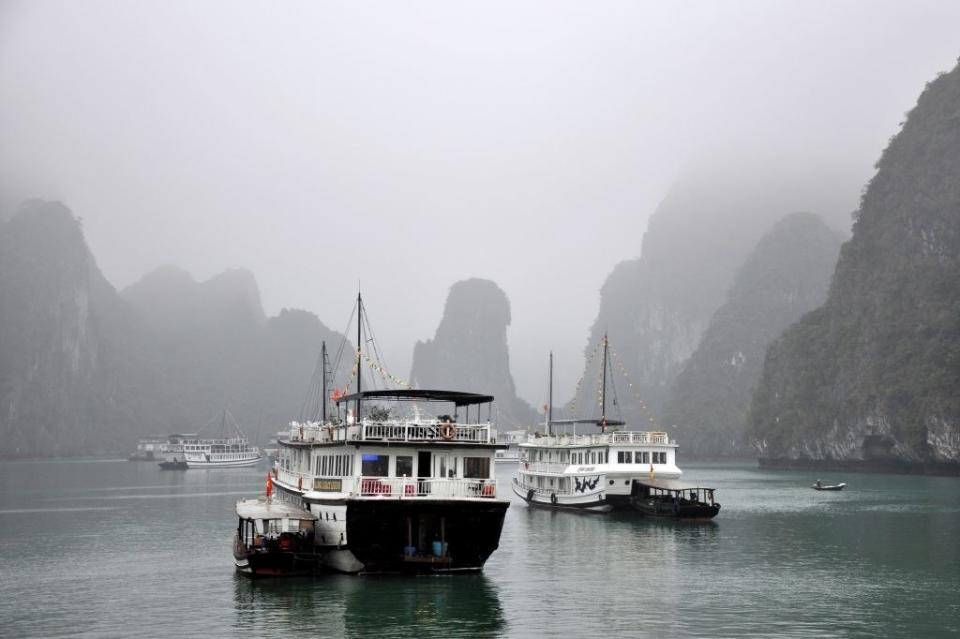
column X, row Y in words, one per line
column 274, row 539
column 672, row 498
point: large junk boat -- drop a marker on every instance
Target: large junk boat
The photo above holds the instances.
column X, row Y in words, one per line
column 401, row 480
column 594, row 471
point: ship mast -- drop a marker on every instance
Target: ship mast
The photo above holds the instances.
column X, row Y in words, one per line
column 603, row 390
column 356, row 410
column 323, row 386
column 550, row 398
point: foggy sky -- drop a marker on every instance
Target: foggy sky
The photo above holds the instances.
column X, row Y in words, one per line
column 408, row 145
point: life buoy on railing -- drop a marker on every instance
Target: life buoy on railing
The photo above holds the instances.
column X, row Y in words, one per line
column 553, row 498
column 448, row 430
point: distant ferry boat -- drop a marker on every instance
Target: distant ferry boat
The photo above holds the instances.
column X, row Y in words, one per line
column 596, row 471
column 510, row 454
column 227, row 450
column 395, row 490
column 150, row 449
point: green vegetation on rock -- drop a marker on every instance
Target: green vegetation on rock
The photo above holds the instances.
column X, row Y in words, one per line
column 875, row 372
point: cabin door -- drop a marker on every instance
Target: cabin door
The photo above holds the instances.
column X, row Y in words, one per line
column 423, row 471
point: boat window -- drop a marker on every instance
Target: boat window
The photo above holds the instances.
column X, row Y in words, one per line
column 374, row 465
column 624, row 457
column 446, row 466
column 404, row 466
column 476, row 467
column 643, row 457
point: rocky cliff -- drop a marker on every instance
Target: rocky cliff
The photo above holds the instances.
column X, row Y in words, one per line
column 786, row 275
column 656, row 308
column 874, row 374
column 215, row 346
column 66, row 357
column 469, row 351
column 85, row 370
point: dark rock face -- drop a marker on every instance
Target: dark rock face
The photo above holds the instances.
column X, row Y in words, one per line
column 656, row 308
column 85, row 370
column 786, row 275
column 469, row 351
column 875, row 372
column 64, row 339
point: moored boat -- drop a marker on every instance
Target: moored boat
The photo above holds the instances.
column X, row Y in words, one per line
column 401, row 480
column 594, row 471
column 274, row 539
column 229, row 449
column 672, row 498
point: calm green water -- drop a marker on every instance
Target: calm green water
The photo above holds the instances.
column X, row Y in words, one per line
column 116, row 548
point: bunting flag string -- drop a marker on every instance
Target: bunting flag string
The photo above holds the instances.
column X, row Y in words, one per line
column 636, row 395
column 384, row 373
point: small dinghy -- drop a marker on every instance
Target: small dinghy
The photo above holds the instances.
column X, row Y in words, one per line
column 821, row 486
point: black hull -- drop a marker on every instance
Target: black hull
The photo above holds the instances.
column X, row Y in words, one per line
column 274, row 563
column 672, row 510
column 173, row 465
column 391, row 536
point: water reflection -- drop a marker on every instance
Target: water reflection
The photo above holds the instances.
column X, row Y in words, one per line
column 456, row 606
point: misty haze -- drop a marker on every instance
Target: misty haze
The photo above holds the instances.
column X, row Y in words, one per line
column 636, row 317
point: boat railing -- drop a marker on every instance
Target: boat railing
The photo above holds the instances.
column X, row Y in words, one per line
column 293, row 478
column 545, row 467
column 393, row 431
column 619, row 437
column 392, row 487
column 415, row 487
column 545, row 490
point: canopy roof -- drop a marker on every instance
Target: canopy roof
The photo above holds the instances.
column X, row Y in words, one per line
column 671, row 484
column 598, row 422
column 268, row 509
column 458, row 398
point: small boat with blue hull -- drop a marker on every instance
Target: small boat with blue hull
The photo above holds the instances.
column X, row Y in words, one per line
column 672, row 498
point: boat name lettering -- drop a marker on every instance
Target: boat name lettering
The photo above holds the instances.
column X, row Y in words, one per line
column 585, row 469
column 328, row 485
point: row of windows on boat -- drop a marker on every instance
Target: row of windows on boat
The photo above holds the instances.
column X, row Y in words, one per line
column 598, row 457
column 216, row 448
column 376, row 465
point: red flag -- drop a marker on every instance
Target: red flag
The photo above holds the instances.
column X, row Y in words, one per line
column 269, row 485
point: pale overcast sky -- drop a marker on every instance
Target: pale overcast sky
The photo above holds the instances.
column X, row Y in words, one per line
column 407, row 145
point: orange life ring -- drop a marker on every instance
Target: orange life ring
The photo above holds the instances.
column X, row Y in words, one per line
column 448, row 430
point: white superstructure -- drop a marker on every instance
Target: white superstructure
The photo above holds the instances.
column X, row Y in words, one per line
column 594, row 471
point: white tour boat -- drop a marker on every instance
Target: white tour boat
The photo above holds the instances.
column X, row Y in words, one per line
column 593, row 471
column 396, row 487
column 510, row 454
column 229, row 449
